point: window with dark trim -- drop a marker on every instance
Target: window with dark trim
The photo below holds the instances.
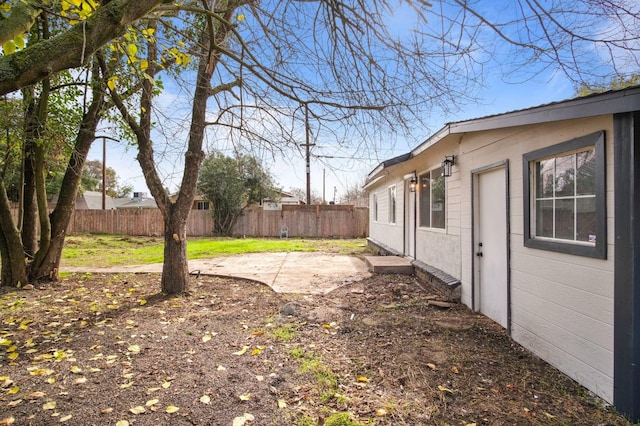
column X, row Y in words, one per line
column 202, row 205
column 565, row 197
column 432, row 199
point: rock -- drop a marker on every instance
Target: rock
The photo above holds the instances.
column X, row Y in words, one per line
column 28, row 287
column 291, row 309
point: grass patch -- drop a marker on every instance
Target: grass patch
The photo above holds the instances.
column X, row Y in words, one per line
column 285, row 332
column 341, row 419
column 115, row 250
column 325, row 379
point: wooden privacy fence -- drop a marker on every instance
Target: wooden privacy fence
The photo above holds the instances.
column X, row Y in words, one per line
column 326, row 221
column 135, row 222
column 316, row 221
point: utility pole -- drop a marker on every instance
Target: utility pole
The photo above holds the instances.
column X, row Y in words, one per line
column 104, row 169
column 307, row 145
column 324, row 175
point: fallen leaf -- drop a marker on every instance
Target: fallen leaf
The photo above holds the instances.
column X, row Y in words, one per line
column 443, row 389
column 65, row 418
column 221, row 368
column 381, row 412
column 151, row 390
column 431, row 366
column 245, row 397
column 172, row 409
column 51, row 380
column 206, row 338
column 362, row 379
column 551, row 416
column 282, row 403
column 122, row 423
column 13, row 390
column 135, row 349
column 151, row 402
column 49, row 405
column 126, row 385
column 205, row 399
column 15, row 403
column 166, row 385
column 7, row 421
column 80, row 380
column 13, row 355
column 454, row 370
column 139, row 409
column 242, row 351
column 106, row 410
column 258, row 332
column 75, row 369
column 256, row 351
column 240, row 421
column 34, row 395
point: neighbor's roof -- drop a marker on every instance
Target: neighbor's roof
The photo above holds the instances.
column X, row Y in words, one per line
column 611, row 102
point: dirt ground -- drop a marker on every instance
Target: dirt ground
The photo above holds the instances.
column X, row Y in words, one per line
column 109, row 350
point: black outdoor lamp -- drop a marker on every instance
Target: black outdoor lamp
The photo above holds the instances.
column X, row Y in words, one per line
column 447, row 165
column 412, row 183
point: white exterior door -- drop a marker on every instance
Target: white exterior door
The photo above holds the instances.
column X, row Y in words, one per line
column 491, row 252
column 410, row 221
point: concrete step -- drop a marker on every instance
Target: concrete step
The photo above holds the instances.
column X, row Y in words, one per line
column 389, row 265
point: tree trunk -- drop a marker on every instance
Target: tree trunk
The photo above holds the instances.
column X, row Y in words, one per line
column 73, row 47
column 14, row 273
column 175, row 270
column 29, row 220
column 47, row 260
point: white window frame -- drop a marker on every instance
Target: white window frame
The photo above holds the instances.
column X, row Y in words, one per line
column 374, row 206
column 421, row 188
column 393, row 205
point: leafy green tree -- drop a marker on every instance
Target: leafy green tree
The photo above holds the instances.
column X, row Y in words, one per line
column 230, row 184
column 92, row 180
column 57, row 127
column 616, row 83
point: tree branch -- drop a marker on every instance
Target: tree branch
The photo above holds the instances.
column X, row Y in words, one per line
column 73, row 47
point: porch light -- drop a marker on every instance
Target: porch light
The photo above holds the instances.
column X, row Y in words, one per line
column 412, row 183
column 447, row 165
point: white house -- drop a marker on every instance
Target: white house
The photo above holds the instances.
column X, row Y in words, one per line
column 539, row 226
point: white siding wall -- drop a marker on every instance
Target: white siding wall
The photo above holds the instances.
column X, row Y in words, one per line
column 389, row 234
column 561, row 305
column 440, row 248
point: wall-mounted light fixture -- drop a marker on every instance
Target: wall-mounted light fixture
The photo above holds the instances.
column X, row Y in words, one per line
column 447, row 165
column 412, row 183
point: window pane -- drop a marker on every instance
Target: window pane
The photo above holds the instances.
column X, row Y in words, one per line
column 375, row 207
column 564, row 219
column 586, row 219
column 392, row 204
column 586, row 179
column 544, row 218
column 565, row 176
column 424, row 192
column 544, row 179
column 438, row 198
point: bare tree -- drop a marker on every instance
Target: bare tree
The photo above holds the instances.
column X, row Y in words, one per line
column 273, row 75
column 269, row 74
